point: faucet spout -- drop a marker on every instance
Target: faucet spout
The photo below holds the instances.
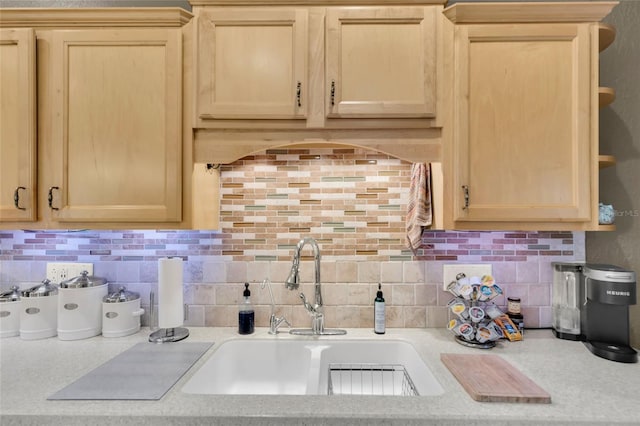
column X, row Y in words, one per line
column 293, row 281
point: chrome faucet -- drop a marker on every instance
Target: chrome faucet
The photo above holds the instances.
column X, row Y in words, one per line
column 274, row 321
column 293, row 283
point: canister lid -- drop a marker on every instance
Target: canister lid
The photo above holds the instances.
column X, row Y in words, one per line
column 83, row 280
column 46, row 288
column 12, row 295
column 122, row 295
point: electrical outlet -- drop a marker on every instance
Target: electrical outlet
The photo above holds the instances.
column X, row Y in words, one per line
column 449, row 272
column 60, row 271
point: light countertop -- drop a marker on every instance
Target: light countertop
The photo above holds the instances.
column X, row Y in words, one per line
column 583, row 387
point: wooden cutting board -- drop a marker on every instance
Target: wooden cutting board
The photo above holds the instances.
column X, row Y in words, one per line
column 489, row 378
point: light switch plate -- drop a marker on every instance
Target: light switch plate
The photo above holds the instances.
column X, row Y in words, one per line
column 61, row 271
column 450, row 271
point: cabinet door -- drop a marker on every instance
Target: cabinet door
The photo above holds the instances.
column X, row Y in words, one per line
column 522, row 148
column 252, row 63
column 17, row 125
column 381, row 62
column 116, row 151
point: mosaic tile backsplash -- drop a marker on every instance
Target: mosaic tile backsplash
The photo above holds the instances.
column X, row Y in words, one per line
column 353, row 202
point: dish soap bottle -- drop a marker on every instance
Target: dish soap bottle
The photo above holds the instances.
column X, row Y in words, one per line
column 246, row 315
column 378, row 312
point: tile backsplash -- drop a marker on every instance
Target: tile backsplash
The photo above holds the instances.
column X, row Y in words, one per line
column 352, row 201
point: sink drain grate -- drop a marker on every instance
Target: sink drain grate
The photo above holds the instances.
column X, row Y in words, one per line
column 370, row 379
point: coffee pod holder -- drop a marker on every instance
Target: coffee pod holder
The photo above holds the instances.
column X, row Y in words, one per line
column 472, row 312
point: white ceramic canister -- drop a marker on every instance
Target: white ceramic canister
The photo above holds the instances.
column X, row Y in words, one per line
column 121, row 313
column 39, row 312
column 10, row 304
column 80, row 307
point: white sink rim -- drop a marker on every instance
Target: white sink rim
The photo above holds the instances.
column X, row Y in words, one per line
column 299, row 366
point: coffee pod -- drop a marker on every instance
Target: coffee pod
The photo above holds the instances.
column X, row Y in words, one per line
column 487, row 280
column 457, row 326
column 466, row 331
column 460, row 309
column 465, row 289
column 495, row 291
column 495, row 329
column 483, row 334
column 496, row 333
column 453, row 326
column 485, row 293
column 476, row 313
column 493, row 311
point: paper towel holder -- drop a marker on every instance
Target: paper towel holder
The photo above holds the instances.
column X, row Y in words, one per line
column 166, row 335
column 169, row 283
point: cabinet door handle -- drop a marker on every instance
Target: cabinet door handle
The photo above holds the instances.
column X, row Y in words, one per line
column 465, row 190
column 50, row 197
column 16, row 198
column 333, row 92
column 299, row 94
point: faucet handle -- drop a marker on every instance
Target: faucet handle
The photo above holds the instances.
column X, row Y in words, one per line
column 283, row 320
column 310, row 308
column 275, row 322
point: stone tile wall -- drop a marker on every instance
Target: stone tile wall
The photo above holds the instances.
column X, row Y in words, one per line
column 351, row 201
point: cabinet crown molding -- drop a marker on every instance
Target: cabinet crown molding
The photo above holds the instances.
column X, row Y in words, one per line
column 94, row 17
column 522, row 12
column 314, row 2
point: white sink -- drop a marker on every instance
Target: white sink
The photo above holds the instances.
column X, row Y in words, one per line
column 262, row 367
column 300, row 367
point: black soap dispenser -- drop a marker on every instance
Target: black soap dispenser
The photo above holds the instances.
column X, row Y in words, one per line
column 378, row 312
column 246, row 314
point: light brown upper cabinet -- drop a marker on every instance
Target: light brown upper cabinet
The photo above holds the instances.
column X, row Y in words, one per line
column 381, row 62
column 17, row 125
column 102, row 142
column 116, row 151
column 317, row 67
column 525, row 113
column 523, row 140
column 252, row 63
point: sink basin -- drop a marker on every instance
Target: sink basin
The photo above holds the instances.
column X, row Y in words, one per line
column 302, row 367
column 263, row 367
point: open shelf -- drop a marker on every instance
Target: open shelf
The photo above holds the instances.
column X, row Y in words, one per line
column 606, row 35
column 606, row 161
column 606, row 96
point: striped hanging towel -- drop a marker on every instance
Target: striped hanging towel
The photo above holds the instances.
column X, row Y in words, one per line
column 419, row 207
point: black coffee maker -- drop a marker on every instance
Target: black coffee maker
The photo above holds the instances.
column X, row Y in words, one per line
column 604, row 315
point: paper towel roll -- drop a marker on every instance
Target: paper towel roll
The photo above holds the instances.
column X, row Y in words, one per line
column 170, row 297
